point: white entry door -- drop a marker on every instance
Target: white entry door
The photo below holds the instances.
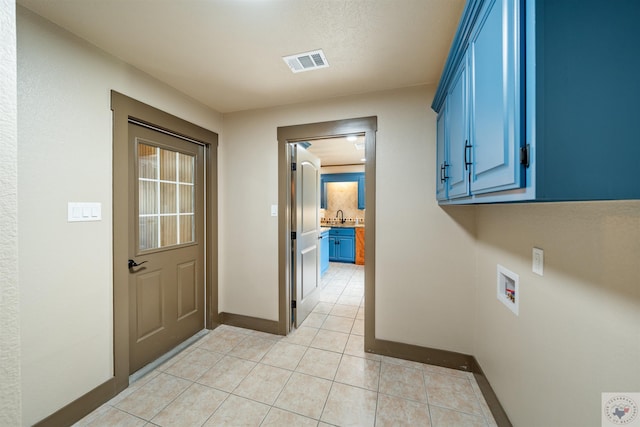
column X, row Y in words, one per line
column 306, row 223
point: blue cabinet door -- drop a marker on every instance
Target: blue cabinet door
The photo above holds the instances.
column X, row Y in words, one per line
column 495, row 98
column 361, row 191
column 324, row 252
column 346, row 249
column 456, row 139
column 342, row 245
column 332, row 248
column 441, row 166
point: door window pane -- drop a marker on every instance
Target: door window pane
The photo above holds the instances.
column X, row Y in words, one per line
column 167, row 165
column 148, row 202
column 169, row 230
column 147, row 161
column 187, row 229
column 186, row 199
column 148, row 226
column 166, row 197
column 185, row 166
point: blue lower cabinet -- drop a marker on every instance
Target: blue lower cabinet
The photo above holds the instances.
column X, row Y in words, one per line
column 342, row 245
column 324, row 252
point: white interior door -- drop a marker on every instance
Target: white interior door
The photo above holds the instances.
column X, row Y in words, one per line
column 306, row 223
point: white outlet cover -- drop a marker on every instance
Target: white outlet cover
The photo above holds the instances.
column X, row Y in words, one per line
column 537, row 263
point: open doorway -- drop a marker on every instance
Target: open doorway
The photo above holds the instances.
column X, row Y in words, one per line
column 364, row 127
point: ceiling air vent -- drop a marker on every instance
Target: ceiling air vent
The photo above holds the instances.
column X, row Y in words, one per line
column 306, row 61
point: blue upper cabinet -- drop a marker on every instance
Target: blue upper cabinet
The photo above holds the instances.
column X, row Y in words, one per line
column 361, row 191
column 441, row 170
column 495, row 98
column 551, row 103
column 342, row 177
column 457, row 137
column 452, row 178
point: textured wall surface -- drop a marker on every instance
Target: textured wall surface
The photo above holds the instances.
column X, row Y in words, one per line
column 9, row 301
column 65, row 155
column 578, row 332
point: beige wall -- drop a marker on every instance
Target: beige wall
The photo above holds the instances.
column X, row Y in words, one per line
column 9, row 294
column 64, row 154
column 578, row 332
column 424, row 285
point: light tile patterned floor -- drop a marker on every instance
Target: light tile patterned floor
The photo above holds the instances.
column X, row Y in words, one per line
column 317, row 376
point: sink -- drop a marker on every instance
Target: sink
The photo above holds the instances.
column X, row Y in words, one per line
column 345, row 225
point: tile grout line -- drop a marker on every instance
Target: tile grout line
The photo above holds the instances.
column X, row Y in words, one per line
column 350, row 335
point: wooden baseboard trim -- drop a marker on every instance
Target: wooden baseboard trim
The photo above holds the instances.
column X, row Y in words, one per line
column 81, row 407
column 499, row 415
column 432, row 356
column 90, row 401
column 447, row 359
column 248, row 322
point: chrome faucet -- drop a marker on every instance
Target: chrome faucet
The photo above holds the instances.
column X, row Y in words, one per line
column 341, row 219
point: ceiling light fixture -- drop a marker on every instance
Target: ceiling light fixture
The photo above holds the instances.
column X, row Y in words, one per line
column 352, row 138
column 306, row 61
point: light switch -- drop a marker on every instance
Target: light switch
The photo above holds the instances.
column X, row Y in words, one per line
column 274, row 210
column 538, row 261
column 84, row 211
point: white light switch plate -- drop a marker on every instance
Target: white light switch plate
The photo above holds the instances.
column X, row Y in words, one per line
column 274, row 210
column 538, row 261
column 83, row 211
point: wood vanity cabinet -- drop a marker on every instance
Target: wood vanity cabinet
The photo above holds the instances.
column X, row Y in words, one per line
column 360, row 245
column 538, row 101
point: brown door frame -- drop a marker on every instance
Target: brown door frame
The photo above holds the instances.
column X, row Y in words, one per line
column 307, row 132
column 125, row 109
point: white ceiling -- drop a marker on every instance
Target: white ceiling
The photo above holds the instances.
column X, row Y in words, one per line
column 338, row 151
column 227, row 54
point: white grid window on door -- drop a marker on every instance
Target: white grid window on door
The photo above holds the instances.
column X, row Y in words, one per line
column 166, row 197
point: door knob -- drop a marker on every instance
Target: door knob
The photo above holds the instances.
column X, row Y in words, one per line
column 132, row 263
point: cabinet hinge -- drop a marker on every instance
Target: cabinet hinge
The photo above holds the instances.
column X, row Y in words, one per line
column 293, row 304
column 293, row 167
column 293, row 235
column 524, row 156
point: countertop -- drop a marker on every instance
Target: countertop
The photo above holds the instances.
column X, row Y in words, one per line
column 329, row 226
